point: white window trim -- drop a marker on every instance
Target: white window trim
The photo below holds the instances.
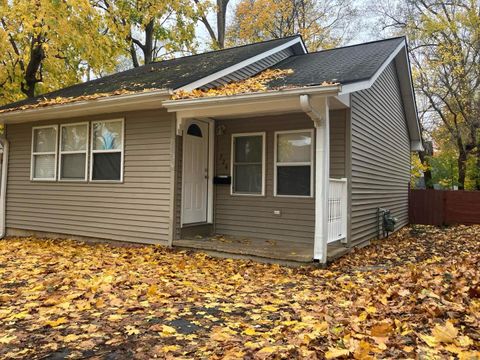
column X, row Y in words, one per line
column 60, row 153
column 33, row 153
column 232, row 155
column 121, row 150
column 311, row 163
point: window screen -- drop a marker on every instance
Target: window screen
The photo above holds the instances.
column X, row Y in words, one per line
column 293, row 166
column 44, row 153
column 73, row 151
column 248, row 155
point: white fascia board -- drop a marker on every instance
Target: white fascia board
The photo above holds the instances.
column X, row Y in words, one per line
column 114, row 103
column 219, row 74
column 365, row 84
column 205, row 102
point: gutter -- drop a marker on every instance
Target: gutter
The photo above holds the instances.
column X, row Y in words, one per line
column 202, row 102
column 115, row 103
column 3, row 186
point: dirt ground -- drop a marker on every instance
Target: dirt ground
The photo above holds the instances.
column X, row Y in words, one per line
column 414, row 295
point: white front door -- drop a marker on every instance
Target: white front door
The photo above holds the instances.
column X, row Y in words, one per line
column 195, row 172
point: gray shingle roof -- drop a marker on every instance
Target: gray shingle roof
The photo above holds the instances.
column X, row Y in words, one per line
column 168, row 74
column 341, row 65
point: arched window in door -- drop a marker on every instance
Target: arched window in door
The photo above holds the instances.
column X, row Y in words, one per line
column 194, row 130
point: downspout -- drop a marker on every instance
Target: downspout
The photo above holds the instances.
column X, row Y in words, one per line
column 3, row 185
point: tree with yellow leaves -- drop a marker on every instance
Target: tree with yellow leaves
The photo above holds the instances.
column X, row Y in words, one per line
column 322, row 24
column 48, row 44
column 444, row 39
column 151, row 29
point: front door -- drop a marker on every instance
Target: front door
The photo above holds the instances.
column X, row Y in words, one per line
column 195, row 172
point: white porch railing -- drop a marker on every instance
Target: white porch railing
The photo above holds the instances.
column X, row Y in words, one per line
column 337, row 210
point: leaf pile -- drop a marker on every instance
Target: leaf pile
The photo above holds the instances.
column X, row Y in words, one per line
column 68, row 100
column 414, row 295
column 253, row 84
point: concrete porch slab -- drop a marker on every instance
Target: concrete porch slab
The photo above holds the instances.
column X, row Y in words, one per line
column 271, row 251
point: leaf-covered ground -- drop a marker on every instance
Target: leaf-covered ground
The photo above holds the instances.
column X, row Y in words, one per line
column 414, row 295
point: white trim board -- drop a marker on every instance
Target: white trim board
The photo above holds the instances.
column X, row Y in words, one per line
column 219, row 74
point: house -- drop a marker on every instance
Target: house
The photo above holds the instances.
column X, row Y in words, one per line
column 302, row 165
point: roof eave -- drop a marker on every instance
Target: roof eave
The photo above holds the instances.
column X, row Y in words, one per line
column 202, row 102
column 109, row 104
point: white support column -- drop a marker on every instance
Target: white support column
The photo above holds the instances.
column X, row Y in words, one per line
column 319, row 113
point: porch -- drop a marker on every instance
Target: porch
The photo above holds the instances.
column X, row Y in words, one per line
column 267, row 185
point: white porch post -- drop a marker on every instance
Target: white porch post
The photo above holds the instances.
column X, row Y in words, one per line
column 319, row 113
column 322, row 182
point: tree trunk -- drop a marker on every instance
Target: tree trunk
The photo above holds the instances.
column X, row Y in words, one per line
column 462, row 165
column 148, row 48
column 424, row 158
column 221, row 22
column 477, row 172
column 37, row 55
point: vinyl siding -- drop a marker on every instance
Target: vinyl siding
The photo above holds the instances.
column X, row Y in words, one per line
column 253, row 216
column 137, row 210
column 380, row 156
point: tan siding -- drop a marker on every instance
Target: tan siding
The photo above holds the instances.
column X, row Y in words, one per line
column 136, row 210
column 253, row 216
column 380, row 150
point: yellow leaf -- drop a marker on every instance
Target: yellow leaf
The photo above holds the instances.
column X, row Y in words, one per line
column 70, row 338
column 115, row 317
column 168, row 330
column 429, row 340
column 250, row 332
column 267, row 350
column 7, row 339
column 269, row 308
column 152, row 290
column 465, row 341
column 168, row 348
column 371, row 309
column 132, row 330
column 446, row 333
column 334, row 353
column 55, row 323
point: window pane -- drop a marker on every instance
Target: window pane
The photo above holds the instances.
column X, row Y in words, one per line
column 44, row 139
column 248, row 149
column 73, row 166
column 107, row 135
column 294, row 147
column 293, row 180
column 43, row 166
column 106, row 166
column 74, row 138
column 247, row 179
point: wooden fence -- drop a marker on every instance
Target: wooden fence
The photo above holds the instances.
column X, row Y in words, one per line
column 444, row 207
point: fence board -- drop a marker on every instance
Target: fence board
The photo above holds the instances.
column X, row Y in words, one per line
column 444, row 207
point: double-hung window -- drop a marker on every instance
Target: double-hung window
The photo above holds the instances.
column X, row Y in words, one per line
column 293, row 163
column 44, row 153
column 248, row 164
column 107, row 150
column 73, row 151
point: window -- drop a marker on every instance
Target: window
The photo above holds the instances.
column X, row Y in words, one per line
column 248, row 164
column 44, row 153
column 293, row 163
column 73, row 151
column 107, row 151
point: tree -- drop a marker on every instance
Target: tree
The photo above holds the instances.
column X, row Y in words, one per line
column 151, row 29
column 220, row 9
column 444, row 39
column 323, row 24
column 47, row 44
